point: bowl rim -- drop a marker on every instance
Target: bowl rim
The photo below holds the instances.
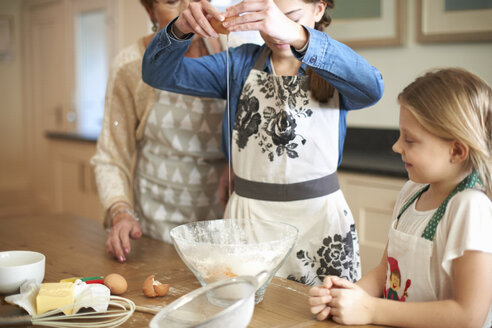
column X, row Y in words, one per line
column 41, row 259
column 204, row 289
column 172, row 232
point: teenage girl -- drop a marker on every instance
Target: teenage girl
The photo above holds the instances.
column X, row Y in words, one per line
column 288, row 103
column 437, row 267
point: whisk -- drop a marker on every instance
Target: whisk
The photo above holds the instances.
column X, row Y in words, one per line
column 111, row 318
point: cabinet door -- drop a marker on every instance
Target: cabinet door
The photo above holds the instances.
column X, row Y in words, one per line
column 75, row 185
column 46, row 85
column 371, row 200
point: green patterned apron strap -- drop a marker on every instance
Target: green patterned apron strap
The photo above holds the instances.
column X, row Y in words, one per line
column 430, row 229
column 411, row 200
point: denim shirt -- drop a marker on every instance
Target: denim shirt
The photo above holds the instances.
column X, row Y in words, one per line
column 164, row 67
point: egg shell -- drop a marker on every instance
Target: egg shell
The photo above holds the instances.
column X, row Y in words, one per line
column 161, row 289
column 116, row 283
column 148, row 287
column 218, row 27
column 154, row 288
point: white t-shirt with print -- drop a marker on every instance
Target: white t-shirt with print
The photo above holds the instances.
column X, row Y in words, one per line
column 465, row 226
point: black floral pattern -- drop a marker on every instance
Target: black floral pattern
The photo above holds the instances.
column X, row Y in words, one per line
column 247, row 117
column 276, row 135
column 336, row 257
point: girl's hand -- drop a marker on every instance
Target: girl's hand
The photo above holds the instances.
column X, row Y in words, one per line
column 350, row 304
column 118, row 240
column 320, row 296
column 264, row 16
column 196, row 19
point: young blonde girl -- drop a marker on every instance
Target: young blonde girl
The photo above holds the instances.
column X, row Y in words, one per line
column 437, row 267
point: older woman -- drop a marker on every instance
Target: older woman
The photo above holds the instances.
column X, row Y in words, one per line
column 158, row 157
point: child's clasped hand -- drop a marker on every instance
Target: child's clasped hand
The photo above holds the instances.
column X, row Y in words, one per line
column 342, row 300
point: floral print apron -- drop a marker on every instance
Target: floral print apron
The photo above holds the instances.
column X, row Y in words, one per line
column 283, row 140
column 408, row 272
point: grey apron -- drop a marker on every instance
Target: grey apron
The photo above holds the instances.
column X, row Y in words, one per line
column 179, row 163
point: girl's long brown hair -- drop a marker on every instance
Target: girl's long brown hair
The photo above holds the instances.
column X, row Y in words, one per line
column 321, row 89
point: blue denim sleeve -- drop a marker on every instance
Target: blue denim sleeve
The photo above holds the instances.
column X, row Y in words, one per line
column 165, row 67
column 358, row 83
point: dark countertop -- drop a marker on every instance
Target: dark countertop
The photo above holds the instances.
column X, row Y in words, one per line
column 75, row 136
column 365, row 151
column 369, row 151
column 377, row 163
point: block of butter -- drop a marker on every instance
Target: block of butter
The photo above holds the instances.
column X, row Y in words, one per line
column 54, row 295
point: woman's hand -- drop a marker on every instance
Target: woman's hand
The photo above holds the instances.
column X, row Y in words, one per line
column 196, row 19
column 266, row 17
column 224, row 187
column 350, row 304
column 118, row 241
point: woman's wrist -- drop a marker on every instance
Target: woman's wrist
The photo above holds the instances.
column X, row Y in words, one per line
column 177, row 34
column 118, row 210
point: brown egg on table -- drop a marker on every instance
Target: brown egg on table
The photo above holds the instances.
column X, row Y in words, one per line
column 116, row 283
column 154, row 288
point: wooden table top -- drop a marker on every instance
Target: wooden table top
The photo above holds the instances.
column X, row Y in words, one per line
column 75, row 247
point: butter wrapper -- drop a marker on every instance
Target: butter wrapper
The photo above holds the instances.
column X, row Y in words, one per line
column 95, row 296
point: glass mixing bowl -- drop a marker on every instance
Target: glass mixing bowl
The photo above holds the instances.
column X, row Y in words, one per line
column 221, row 304
column 215, row 250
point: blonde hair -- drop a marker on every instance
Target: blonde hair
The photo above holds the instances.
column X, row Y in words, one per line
column 455, row 104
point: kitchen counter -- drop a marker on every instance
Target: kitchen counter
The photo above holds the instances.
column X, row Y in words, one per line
column 74, row 136
column 370, row 151
column 365, row 151
column 75, row 247
column 373, row 163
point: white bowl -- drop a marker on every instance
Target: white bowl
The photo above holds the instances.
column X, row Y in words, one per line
column 19, row 266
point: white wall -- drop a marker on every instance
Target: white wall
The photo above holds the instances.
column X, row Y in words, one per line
column 132, row 23
column 401, row 65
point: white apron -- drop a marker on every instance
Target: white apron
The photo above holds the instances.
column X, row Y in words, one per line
column 285, row 156
column 408, row 272
column 179, row 163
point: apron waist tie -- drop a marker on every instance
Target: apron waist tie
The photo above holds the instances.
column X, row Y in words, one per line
column 286, row 192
